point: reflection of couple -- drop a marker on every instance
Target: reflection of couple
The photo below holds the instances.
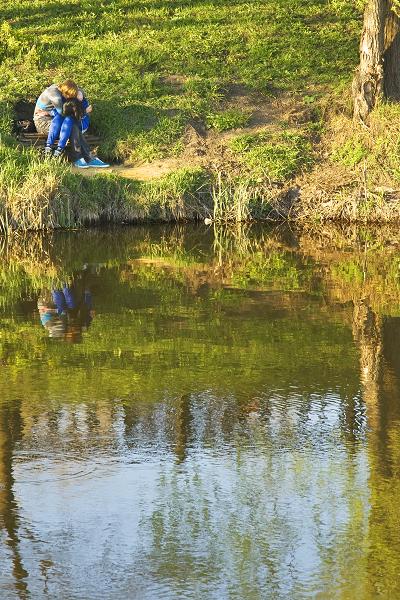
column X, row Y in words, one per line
column 67, row 311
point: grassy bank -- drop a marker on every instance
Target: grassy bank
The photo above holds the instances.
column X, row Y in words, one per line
column 249, row 81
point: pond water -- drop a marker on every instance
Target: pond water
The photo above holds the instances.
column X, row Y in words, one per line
column 197, row 414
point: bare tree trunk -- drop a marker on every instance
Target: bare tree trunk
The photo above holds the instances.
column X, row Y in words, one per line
column 391, row 58
column 368, row 83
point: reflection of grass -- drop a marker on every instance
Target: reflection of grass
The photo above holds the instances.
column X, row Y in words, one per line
column 277, row 269
column 175, row 254
column 155, row 333
column 374, row 275
column 239, row 257
column 349, row 272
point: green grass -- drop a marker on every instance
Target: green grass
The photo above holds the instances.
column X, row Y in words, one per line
column 228, row 119
column 122, row 54
column 351, row 153
column 276, row 156
column 375, row 149
column 150, row 66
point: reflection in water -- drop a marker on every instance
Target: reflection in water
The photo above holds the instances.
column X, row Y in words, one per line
column 368, row 335
column 10, row 432
column 228, row 427
column 65, row 312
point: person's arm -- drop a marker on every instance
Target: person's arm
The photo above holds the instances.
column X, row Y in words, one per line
column 55, row 98
column 87, row 107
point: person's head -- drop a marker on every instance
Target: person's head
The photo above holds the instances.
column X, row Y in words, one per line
column 69, row 89
column 73, row 108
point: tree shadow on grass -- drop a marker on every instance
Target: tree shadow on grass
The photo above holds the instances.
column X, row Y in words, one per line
column 33, row 15
column 120, row 128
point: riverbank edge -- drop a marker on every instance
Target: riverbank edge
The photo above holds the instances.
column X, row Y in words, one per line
column 352, row 178
column 53, row 197
column 52, row 200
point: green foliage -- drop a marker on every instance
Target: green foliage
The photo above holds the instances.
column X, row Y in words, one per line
column 228, row 119
column 384, row 144
column 148, row 67
column 280, row 270
column 175, row 196
column 351, row 153
column 120, row 54
column 243, row 143
column 162, row 140
column 349, row 272
column 238, row 199
column 277, row 157
column 376, row 149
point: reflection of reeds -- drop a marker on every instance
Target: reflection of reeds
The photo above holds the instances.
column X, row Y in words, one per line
column 26, row 266
column 239, row 240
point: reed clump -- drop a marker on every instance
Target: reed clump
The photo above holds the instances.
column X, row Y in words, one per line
column 239, row 200
column 357, row 178
column 38, row 194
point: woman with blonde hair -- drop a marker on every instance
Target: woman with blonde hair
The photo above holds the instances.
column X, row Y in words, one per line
column 50, row 119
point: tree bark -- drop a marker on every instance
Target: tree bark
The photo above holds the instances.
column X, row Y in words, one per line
column 391, row 57
column 368, row 83
column 378, row 74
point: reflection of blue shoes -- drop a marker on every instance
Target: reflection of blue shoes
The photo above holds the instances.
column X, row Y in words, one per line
column 81, row 164
column 99, row 164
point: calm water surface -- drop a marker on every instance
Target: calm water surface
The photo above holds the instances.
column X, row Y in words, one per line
column 189, row 414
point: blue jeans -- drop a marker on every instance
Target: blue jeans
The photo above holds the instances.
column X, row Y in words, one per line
column 64, row 128
column 60, row 129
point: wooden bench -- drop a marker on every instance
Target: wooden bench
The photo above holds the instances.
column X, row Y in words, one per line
column 38, row 140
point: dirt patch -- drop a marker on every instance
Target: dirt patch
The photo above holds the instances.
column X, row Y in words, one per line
column 209, row 149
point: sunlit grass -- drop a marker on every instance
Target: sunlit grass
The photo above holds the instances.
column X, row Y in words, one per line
column 149, row 67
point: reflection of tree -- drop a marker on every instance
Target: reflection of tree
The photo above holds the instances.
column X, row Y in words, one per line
column 10, row 432
column 182, row 426
column 384, row 462
column 367, row 331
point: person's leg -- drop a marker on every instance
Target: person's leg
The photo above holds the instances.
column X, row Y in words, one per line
column 80, row 148
column 86, row 152
column 84, row 124
column 55, row 128
column 59, row 301
column 65, row 133
column 69, row 297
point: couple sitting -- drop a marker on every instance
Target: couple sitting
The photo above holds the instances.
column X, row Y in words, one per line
column 62, row 112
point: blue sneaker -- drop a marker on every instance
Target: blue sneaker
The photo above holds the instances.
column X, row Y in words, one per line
column 81, row 164
column 97, row 163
